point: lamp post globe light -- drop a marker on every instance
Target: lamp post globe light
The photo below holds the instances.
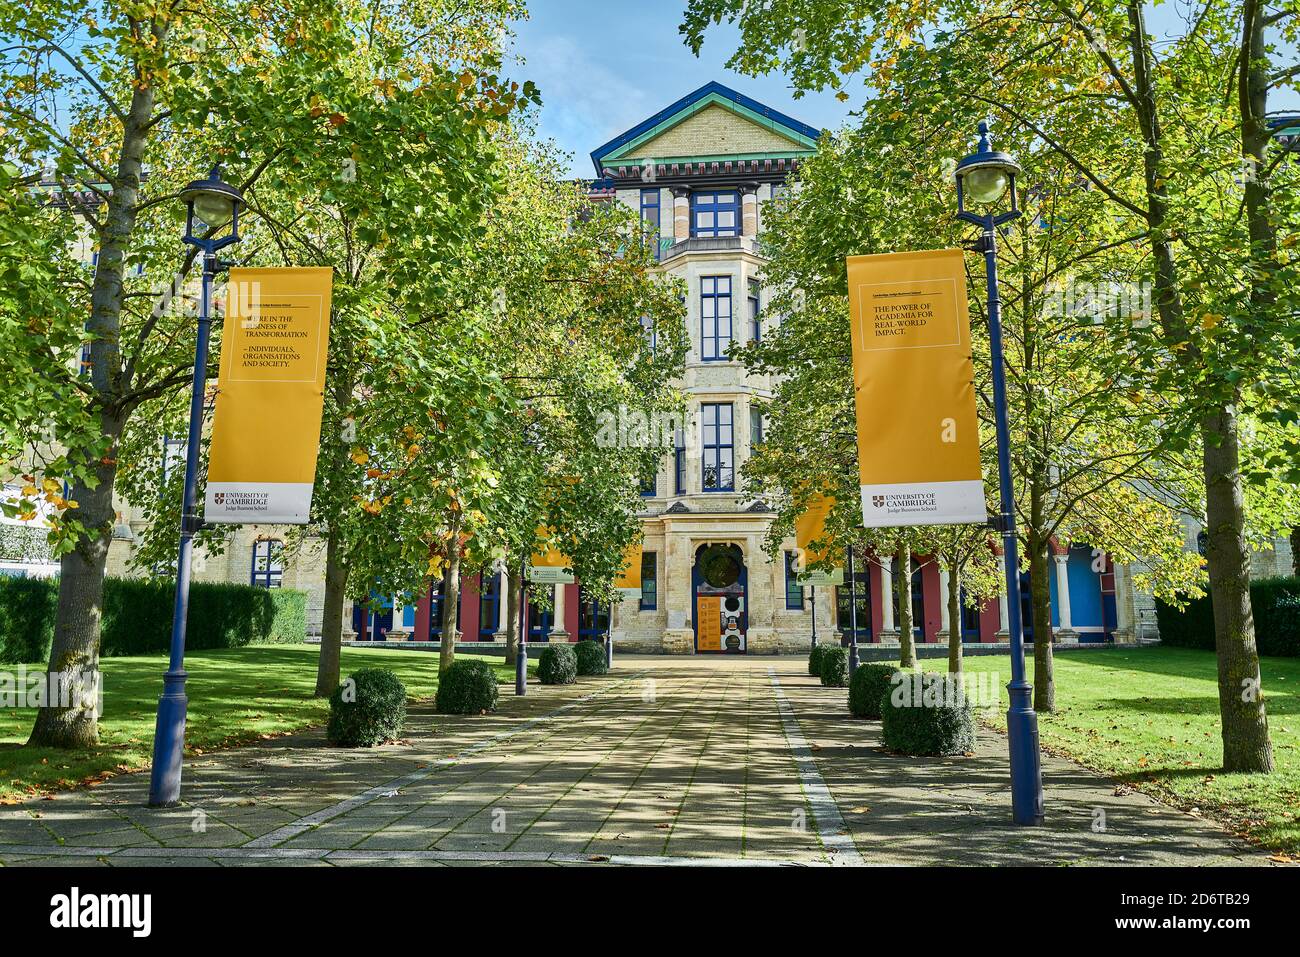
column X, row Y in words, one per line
column 211, row 204
column 983, row 178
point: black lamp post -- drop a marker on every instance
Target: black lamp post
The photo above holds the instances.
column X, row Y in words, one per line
column 211, row 206
column 983, row 178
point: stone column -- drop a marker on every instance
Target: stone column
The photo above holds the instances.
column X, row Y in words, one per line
column 557, row 616
column 888, row 631
column 760, row 637
column 1004, row 630
column 675, row 594
column 749, row 210
column 1066, row 630
column 503, row 599
column 945, row 621
column 681, row 213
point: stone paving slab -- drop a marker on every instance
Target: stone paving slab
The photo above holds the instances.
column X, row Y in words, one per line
column 720, row 761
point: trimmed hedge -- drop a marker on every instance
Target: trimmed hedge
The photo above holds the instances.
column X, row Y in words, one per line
column 1276, row 605
column 835, row 667
column 815, row 659
column 138, row 617
column 367, row 709
column 928, row 715
column 869, row 687
column 469, row 686
column 27, row 607
column 557, row 665
column 590, row 658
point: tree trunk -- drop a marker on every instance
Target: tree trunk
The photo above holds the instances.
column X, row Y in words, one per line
column 1246, row 745
column 903, row 588
column 451, row 597
column 1295, row 552
column 954, row 618
column 1243, row 719
column 512, row 620
column 75, row 649
column 1040, row 594
column 331, row 629
column 81, row 572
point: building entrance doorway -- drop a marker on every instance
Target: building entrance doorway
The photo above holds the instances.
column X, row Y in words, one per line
column 719, row 588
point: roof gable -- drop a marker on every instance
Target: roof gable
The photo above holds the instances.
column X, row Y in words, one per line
column 734, row 125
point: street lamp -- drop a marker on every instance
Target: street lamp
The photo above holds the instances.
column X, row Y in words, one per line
column 210, row 204
column 983, row 178
column 521, row 647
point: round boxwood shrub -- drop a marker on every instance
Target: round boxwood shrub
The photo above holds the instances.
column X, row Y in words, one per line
column 815, row 660
column 590, row 658
column 835, row 667
column 557, row 665
column 367, row 709
column 928, row 714
column 469, row 686
column 868, row 688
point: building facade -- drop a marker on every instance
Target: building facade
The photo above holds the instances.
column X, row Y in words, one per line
column 701, row 175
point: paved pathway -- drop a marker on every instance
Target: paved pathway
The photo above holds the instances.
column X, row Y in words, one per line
column 668, row 760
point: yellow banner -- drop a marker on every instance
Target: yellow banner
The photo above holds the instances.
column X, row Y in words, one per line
column 628, row 582
column 810, row 527
column 270, row 393
column 914, row 383
column 550, row 567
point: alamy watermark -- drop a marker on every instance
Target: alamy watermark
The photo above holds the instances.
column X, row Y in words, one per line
column 966, row 690
column 78, row 689
column 1096, row 302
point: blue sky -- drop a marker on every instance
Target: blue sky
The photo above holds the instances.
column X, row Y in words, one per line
column 605, row 65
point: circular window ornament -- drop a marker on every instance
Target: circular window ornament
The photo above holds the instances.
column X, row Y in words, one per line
column 720, row 566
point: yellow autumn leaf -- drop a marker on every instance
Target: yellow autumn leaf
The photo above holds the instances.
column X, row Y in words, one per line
column 360, row 457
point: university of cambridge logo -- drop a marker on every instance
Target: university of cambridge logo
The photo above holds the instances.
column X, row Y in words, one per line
column 878, row 501
column 219, row 498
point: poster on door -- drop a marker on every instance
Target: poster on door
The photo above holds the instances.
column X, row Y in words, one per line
column 710, row 623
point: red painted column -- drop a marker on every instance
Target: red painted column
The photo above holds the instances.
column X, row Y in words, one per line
column 990, row 621
column 877, row 609
column 571, row 610
column 422, row 610
column 933, row 597
column 469, row 605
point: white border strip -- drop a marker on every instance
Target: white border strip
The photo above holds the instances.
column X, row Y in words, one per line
column 830, row 823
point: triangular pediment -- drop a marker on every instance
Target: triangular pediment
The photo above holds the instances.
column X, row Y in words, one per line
column 713, row 123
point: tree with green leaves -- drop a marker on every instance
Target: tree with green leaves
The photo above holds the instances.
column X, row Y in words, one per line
column 1163, row 137
column 115, row 105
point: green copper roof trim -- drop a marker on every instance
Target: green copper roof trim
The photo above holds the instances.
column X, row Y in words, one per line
column 720, row 158
column 713, row 99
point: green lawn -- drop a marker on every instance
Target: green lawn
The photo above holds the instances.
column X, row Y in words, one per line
column 1149, row 717
column 236, row 696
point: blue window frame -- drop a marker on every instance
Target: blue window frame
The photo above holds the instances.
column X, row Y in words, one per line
column 436, row 602
column 649, row 582
column 718, row 466
column 593, row 618
column 715, row 317
column 755, row 313
column 793, row 590
column 268, row 563
column 755, row 428
column 650, row 212
column 649, row 485
column 715, row 214
column 489, row 607
column 679, row 463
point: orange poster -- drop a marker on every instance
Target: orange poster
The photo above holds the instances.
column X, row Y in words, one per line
column 710, row 623
column 914, row 386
